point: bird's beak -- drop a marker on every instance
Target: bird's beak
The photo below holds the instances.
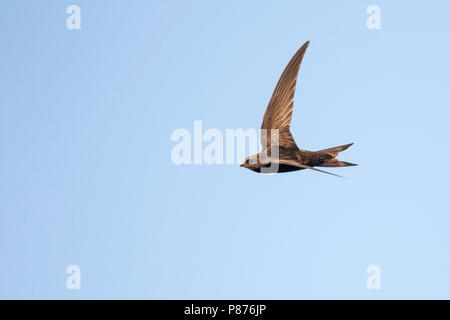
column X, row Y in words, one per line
column 241, row 165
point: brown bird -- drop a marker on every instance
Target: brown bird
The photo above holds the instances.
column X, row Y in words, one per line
column 276, row 124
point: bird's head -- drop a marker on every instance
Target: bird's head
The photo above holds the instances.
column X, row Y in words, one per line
column 251, row 163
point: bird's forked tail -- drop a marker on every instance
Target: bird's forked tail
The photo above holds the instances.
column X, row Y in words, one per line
column 334, row 162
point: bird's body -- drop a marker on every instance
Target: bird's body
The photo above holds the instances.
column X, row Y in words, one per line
column 294, row 160
column 280, row 152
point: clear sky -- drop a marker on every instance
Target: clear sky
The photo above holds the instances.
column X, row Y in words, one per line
column 87, row 179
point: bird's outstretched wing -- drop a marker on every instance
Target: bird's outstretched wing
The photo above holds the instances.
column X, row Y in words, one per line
column 278, row 114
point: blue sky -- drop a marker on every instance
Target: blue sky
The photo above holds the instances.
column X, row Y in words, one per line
column 87, row 179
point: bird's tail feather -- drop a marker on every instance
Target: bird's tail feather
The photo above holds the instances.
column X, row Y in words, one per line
column 336, row 163
column 334, row 152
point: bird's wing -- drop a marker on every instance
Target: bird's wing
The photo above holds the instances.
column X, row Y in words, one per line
column 278, row 114
column 296, row 164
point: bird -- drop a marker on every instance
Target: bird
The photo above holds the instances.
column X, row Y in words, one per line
column 284, row 155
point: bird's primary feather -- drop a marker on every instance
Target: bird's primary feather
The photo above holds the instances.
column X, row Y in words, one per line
column 278, row 114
